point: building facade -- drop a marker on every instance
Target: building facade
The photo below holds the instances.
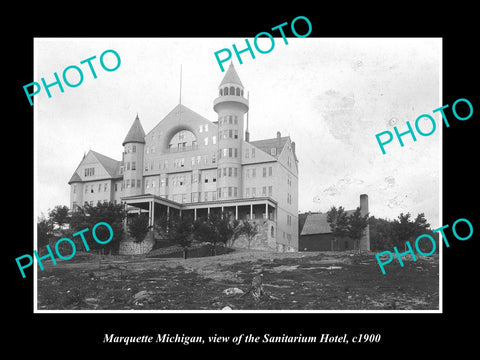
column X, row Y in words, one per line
column 315, row 233
column 193, row 165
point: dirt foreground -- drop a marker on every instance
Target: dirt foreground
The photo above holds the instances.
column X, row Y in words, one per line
column 291, row 281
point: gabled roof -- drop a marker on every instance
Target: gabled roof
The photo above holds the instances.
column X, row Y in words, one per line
column 111, row 166
column 136, row 133
column 75, row 178
column 316, row 223
column 231, row 77
column 267, row 144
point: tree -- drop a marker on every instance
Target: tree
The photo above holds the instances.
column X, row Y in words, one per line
column 88, row 216
column 181, row 232
column 59, row 215
column 337, row 219
column 356, row 226
column 250, row 230
column 138, row 227
column 44, row 231
column 176, row 230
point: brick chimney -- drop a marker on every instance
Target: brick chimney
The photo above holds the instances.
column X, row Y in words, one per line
column 365, row 240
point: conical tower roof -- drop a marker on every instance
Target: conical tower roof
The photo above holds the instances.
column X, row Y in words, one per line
column 231, row 77
column 136, row 133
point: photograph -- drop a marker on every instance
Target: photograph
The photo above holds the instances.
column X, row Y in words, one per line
column 275, row 174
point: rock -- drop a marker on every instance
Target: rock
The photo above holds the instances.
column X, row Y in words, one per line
column 227, row 308
column 233, row 291
column 142, row 296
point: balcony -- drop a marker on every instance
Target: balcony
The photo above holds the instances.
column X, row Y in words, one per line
column 182, row 148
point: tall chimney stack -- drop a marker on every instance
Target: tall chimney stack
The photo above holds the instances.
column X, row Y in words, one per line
column 365, row 240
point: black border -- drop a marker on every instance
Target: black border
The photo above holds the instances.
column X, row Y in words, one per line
column 405, row 333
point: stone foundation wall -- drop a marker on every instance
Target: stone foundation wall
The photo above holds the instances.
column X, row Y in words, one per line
column 129, row 247
column 263, row 240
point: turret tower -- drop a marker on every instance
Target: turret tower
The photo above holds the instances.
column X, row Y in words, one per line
column 133, row 144
column 231, row 107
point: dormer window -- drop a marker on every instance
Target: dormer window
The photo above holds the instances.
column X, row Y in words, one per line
column 225, row 91
column 237, row 92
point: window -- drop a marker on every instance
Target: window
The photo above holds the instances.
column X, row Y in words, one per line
column 86, row 189
column 236, row 152
column 214, row 140
column 254, row 191
column 219, row 192
column 269, row 191
column 235, row 136
column 105, row 187
column 225, row 92
column 214, row 158
column 134, row 165
column 206, row 179
column 235, row 191
column 247, row 192
column 230, row 119
column 272, row 233
column 230, row 133
column 235, row 172
column 273, row 151
column 198, row 159
column 246, row 153
column 264, row 172
column 153, row 183
column 230, row 152
column 128, row 183
column 219, row 173
column 229, row 171
column 139, row 183
column 99, row 187
column 134, row 148
column 235, row 120
column 206, row 127
column 128, row 166
column 221, row 91
column 248, row 173
column 254, row 172
column 205, row 159
column 146, row 166
column 269, row 171
column 237, row 91
column 205, row 141
column 264, row 191
column 229, row 191
column 232, row 90
column 225, row 152
column 224, row 171
column 200, row 128
column 116, row 187
column 253, row 152
column 147, row 184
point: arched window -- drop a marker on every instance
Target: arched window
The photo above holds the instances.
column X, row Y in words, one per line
column 232, row 90
column 225, row 91
column 272, row 234
column 238, row 92
column 242, row 92
column 220, row 92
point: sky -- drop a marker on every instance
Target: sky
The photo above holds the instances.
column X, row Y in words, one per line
column 330, row 95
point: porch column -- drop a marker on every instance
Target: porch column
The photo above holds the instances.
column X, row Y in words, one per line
column 251, row 211
column 266, row 210
column 195, row 214
column 149, row 213
column 236, row 212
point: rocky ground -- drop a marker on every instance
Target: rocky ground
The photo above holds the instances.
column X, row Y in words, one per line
column 291, row 281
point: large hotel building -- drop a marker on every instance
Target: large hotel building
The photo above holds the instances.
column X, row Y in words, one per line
column 189, row 164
